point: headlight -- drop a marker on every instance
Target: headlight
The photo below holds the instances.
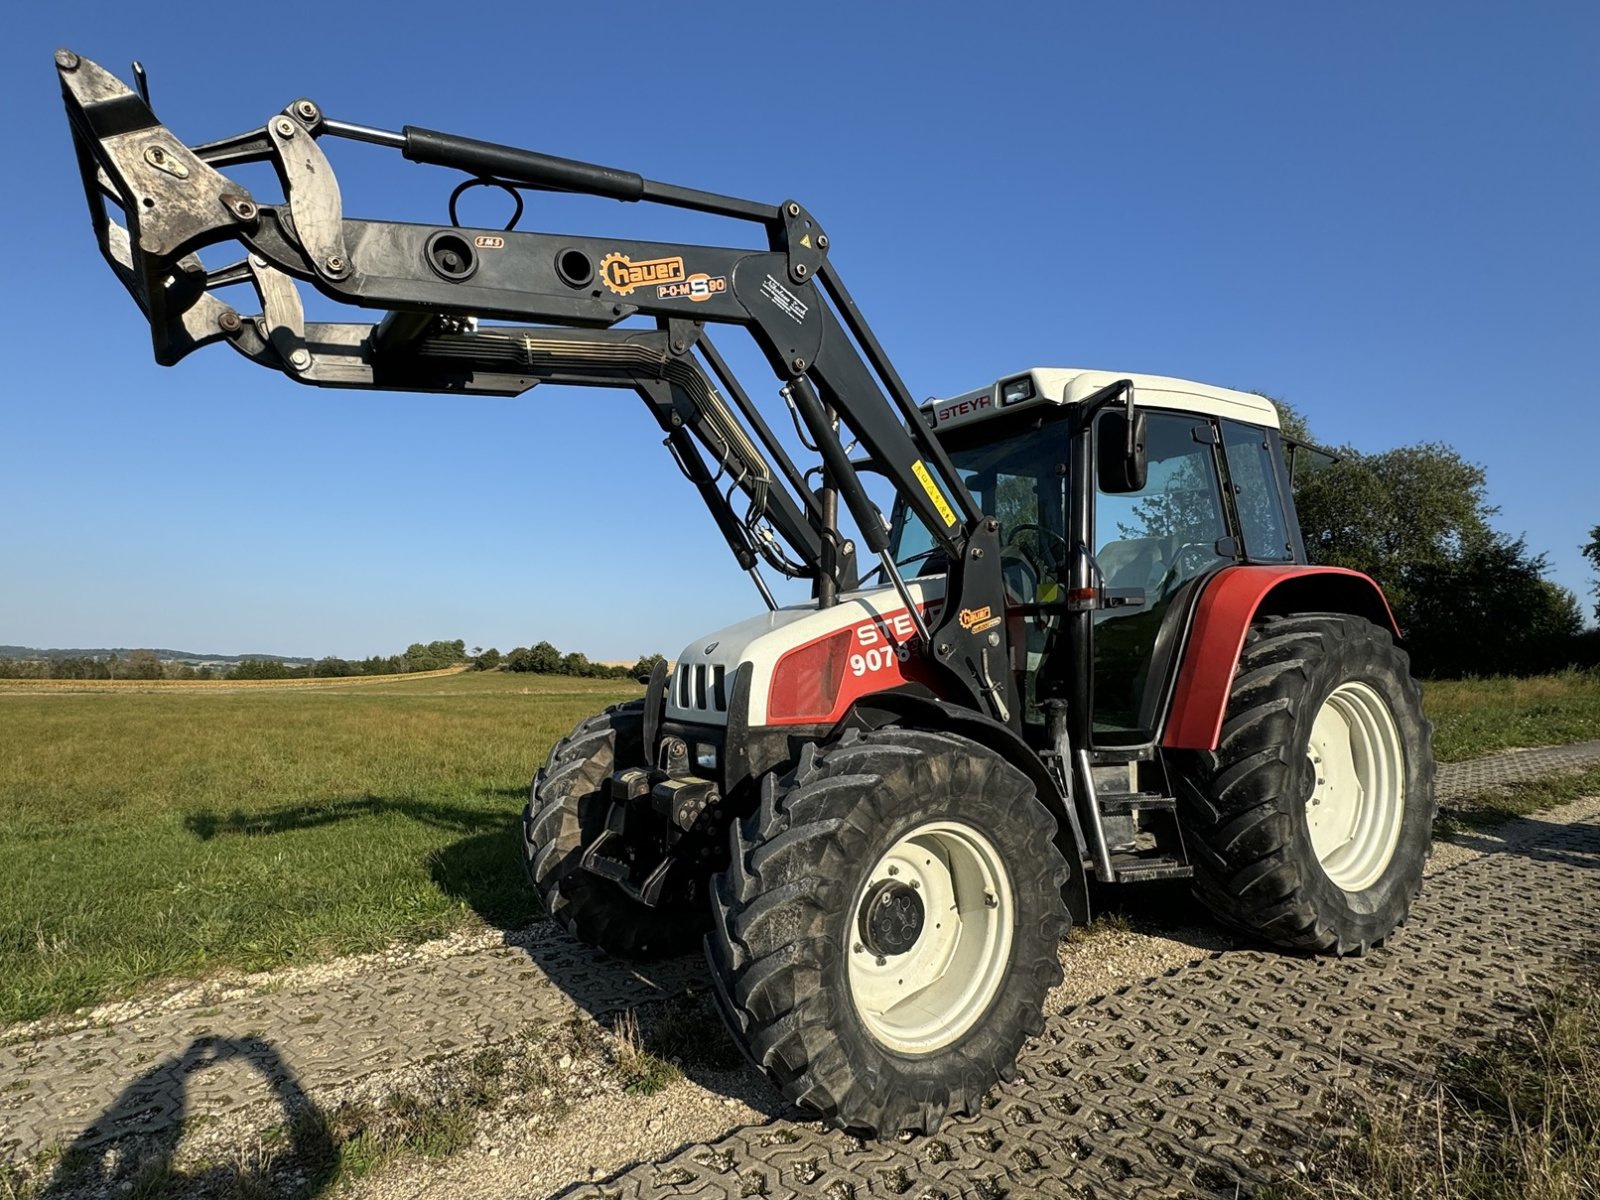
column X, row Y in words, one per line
column 1015, row 391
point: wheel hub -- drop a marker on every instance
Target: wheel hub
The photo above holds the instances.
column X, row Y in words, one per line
column 891, row 918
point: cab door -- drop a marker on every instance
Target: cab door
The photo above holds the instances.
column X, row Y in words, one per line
column 1148, row 551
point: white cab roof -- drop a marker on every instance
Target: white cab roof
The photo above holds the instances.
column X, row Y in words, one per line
column 1066, row 385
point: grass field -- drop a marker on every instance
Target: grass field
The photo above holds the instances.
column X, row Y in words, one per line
column 1474, row 717
column 168, row 833
column 160, row 834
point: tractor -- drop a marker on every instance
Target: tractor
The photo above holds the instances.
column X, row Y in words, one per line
column 1083, row 648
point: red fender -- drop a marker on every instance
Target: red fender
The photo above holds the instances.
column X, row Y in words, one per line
column 1229, row 604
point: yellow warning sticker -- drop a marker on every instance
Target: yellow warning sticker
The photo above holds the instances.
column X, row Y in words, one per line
column 920, row 470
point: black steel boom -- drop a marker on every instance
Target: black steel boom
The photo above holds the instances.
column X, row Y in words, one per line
column 566, row 296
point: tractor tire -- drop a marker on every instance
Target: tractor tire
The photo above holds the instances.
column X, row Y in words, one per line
column 1311, row 822
column 888, row 926
column 566, row 810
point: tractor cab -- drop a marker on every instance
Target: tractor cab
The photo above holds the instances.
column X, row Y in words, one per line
column 1080, row 534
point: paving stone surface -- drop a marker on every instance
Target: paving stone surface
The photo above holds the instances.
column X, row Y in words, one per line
column 1215, row 1078
column 1463, row 778
column 101, row 1083
column 1188, row 1084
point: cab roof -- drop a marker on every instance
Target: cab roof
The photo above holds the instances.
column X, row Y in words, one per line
column 1066, row 385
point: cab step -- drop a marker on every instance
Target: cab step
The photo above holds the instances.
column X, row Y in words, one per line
column 1135, row 868
column 1118, row 803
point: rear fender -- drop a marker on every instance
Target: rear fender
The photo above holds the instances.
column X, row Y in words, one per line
column 1234, row 599
column 916, row 710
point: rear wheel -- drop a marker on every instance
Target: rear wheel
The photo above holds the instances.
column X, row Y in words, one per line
column 889, row 925
column 1311, row 822
column 566, row 811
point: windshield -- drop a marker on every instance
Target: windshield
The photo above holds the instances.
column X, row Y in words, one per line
column 1016, row 472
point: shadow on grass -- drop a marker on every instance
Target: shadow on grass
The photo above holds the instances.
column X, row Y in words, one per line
column 131, row 1147
column 482, row 869
column 206, row 824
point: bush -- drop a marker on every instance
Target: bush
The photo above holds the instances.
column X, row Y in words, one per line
column 266, row 668
column 543, row 659
column 645, row 667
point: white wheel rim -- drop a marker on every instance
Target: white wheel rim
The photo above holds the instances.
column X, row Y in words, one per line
column 1358, row 786
column 928, row 995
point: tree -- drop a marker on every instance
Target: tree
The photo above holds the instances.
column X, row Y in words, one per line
column 1416, row 518
column 1591, row 551
column 574, row 664
column 253, row 668
column 645, row 667
column 1385, row 514
column 80, row 668
column 543, row 659
column 142, row 664
column 1489, row 611
column 486, row 660
column 435, row 656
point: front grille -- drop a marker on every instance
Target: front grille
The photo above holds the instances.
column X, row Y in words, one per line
column 702, row 686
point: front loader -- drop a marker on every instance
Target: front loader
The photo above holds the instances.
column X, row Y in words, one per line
column 1083, row 649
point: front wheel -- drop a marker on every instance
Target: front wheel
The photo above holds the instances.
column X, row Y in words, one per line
column 1311, row 822
column 888, row 927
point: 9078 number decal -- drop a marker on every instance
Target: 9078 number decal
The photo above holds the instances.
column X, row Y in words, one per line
column 877, row 660
column 882, row 643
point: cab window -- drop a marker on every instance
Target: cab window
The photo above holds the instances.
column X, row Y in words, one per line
column 1253, row 479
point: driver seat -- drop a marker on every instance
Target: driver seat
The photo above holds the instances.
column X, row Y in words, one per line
column 1136, row 562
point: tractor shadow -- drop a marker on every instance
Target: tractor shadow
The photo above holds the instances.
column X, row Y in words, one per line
column 1166, row 909
column 132, row 1147
column 1532, row 837
column 663, row 1006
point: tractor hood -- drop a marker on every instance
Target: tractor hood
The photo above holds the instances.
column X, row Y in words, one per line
column 808, row 664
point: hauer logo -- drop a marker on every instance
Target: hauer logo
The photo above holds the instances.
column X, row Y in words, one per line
column 971, row 617
column 622, row 274
column 978, row 620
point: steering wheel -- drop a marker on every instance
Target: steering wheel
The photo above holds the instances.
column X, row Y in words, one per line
column 1059, row 560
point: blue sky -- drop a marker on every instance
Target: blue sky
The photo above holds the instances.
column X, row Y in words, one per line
column 1383, row 213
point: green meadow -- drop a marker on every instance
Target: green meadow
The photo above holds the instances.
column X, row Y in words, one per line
column 169, row 833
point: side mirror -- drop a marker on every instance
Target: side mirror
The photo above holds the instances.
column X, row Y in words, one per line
column 1122, row 466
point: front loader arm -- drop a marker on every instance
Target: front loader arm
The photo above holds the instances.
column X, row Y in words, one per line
column 567, row 295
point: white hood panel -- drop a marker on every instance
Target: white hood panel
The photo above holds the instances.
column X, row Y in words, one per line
column 701, row 685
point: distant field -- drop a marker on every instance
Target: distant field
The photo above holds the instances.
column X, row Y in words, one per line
column 165, row 833
column 211, row 685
